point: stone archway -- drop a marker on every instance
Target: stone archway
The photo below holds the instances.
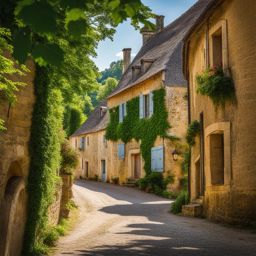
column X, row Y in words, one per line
column 14, row 213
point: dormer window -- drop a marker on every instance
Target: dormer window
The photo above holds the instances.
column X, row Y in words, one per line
column 122, row 112
column 146, row 105
column 136, row 70
column 103, row 111
column 82, row 143
column 145, row 64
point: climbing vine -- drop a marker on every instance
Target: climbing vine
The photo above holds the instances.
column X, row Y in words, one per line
column 145, row 130
column 216, row 85
column 45, row 160
column 192, row 131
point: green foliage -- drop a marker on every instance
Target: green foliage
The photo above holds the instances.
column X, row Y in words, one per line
column 114, row 71
column 8, row 67
column 146, row 130
column 192, row 131
column 186, row 162
column 45, row 146
column 181, row 200
column 109, row 85
column 73, row 118
column 216, row 85
column 69, row 158
column 155, row 183
column 92, row 20
column 115, row 180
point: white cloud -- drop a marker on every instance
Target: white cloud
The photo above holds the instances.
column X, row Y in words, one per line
column 120, row 55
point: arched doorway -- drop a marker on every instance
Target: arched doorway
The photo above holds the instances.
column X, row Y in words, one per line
column 14, row 213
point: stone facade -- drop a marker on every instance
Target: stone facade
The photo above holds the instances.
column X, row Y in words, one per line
column 229, row 197
column 14, row 165
column 99, row 150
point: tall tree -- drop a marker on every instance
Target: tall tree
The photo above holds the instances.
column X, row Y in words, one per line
column 115, row 71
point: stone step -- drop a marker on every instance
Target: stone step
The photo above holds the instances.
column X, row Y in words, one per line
column 192, row 210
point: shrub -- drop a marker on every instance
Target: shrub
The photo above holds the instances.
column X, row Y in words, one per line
column 70, row 160
column 216, row 85
column 169, row 194
column 51, row 237
column 115, row 180
column 182, row 199
column 192, row 131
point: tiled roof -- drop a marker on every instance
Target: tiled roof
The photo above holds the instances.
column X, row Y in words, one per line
column 95, row 121
column 165, row 48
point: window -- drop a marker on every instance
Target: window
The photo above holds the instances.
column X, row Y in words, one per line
column 87, row 140
column 217, row 48
column 146, row 105
column 76, row 143
column 217, row 158
column 105, row 142
column 157, row 159
column 81, row 143
column 122, row 112
column 121, row 151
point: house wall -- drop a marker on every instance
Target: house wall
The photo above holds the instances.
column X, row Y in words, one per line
column 14, row 164
column 234, row 201
column 92, row 153
column 176, row 103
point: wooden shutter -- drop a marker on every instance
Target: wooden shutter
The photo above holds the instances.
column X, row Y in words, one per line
column 151, row 104
column 157, row 158
column 141, row 106
column 120, row 114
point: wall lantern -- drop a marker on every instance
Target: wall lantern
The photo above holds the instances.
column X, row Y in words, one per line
column 175, row 154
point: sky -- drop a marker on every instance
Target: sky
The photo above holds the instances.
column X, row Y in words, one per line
column 127, row 37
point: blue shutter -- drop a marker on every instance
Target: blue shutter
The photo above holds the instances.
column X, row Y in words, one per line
column 120, row 114
column 120, row 151
column 141, row 106
column 157, row 158
column 125, row 110
column 151, row 104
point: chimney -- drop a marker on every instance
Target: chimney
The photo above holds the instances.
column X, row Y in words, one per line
column 126, row 58
column 146, row 34
column 159, row 23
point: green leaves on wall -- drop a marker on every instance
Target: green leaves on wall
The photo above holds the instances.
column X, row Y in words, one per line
column 144, row 130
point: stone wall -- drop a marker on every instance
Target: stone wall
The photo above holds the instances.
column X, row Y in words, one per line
column 14, row 164
column 232, row 201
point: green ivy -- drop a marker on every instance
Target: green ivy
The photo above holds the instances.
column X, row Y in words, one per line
column 192, row 131
column 216, row 85
column 45, row 159
column 144, row 130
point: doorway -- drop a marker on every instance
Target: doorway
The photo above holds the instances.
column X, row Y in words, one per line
column 86, row 169
column 197, row 179
column 136, row 166
column 103, row 171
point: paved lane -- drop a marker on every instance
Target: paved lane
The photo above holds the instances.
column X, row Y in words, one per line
column 123, row 221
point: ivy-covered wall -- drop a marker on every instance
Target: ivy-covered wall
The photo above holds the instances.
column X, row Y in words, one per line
column 45, row 159
column 145, row 130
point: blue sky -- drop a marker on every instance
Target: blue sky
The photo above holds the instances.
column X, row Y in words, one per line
column 127, row 37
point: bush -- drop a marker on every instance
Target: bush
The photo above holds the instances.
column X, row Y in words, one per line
column 155, row 182
column 169, row 194
column 192, row 131
column 182, row 199
column 216, row 85
column 115, row 180
column 51, row 237
column 70, row 160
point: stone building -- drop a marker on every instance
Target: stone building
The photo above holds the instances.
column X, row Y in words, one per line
column 14, row 165
column 90, row 141
column 223, row 160
column 157, row 65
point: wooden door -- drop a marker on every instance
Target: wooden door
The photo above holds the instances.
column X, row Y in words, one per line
column 137, row 166
column 86, row 169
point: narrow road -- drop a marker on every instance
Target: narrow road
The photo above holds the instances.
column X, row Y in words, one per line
column 123, row 221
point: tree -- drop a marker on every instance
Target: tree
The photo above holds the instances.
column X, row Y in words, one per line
column 115, row 71
column 109, row 85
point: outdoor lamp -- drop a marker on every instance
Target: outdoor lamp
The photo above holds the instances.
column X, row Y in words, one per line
column 175, row 154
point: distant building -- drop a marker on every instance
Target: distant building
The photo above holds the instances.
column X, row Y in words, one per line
column 223, row 160
column 158, row 65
